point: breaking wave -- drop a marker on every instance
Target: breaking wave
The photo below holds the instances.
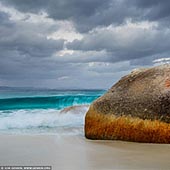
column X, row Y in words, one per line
column 52, row 102
column 43, row 120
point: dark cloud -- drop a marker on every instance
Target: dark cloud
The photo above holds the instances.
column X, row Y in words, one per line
column 154, row 9
column 27, row 5
column 62, row 9
column 4, row 19
column 18, row 38
column 88, row 14
column 138, row 43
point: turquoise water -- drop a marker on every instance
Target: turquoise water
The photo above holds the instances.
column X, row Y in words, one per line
column 39, row 110
column 45, row 99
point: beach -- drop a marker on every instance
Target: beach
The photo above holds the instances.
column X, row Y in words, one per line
column 38, row 129
column 74, row 152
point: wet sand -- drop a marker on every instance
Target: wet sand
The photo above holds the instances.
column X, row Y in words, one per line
column 78, row 153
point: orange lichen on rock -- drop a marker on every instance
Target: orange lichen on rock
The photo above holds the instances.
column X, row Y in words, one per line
column 108, row 126
column 167, row 83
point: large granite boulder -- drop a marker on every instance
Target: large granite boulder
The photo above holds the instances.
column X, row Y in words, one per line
column 136, row 108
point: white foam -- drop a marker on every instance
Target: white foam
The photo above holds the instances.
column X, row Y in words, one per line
column 42, row 118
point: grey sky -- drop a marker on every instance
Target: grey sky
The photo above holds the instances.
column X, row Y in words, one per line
column 80, row 43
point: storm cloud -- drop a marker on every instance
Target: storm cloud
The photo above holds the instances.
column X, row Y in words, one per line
column 80, row 43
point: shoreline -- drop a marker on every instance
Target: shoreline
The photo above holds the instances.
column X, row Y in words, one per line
column 77, row 152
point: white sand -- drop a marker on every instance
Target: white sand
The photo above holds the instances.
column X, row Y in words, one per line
column 78, row 153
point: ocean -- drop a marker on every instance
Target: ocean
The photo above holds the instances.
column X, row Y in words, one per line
column 43, row 111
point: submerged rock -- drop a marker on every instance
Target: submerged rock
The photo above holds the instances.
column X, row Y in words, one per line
column 136, row 108
column 75, row 109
